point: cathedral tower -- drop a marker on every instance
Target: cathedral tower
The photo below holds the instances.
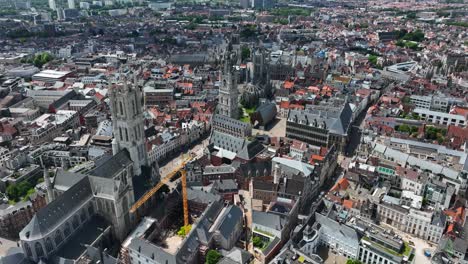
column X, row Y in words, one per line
column 128, row 122
column 228, row 104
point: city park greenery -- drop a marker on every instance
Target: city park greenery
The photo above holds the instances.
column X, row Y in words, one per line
column 21, row 191
column 290, row 11
column 39, row 59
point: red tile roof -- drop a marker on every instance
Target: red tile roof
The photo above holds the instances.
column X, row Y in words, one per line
column 284, row 104
column 348, row 204
column 407, row 173
column 457, row 110
column 288, row 85
column 342, row 184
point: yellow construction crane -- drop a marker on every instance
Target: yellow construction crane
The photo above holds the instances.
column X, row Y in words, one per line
column 163, row 181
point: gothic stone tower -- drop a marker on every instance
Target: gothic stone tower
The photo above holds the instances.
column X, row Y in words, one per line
column 128, row 123
column 228, row 104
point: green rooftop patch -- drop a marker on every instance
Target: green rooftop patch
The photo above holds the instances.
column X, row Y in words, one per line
column 407, row 249
column 406, row 252
column 263, row 232
column 245, row 114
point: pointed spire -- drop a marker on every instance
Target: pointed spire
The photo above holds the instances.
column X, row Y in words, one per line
column 135, row 81
column 63, row 164
column 48, row 183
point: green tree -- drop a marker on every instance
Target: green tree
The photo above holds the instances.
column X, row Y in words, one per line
column 40, row 59
column 13, row 192
column 411, row 15
column 404, row 128
column 248, row 31
column 184, row 230
column 24, row 187
column 353, row 261
column 257, row 242
column 16, row 191
column 372, row 59
column 245, row 53
column 212, row 257
column 416, row 35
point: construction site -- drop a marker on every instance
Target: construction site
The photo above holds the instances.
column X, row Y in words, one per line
column 161, row 235
column 168, row 232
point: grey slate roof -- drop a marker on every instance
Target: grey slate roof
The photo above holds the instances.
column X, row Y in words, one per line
column 294, row 165
column 439, row 219
column 229, row 218
column 329, row 226
column 270, row 220
column 63, row 180
column 75, row 246
column 227, row 184
column 335, row 120
column 236, row 255
column 107, row 167
column 251, row 150
column 292, row 187
column 228, row 122
column 227, row 142
column 16, row 258
column 267, row 112
column 242, row 147
column 50, row 216
column 254, row 169
column 200, row 196
column 152, row 251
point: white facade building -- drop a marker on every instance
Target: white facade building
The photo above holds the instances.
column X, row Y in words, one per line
column 440, row 118
column 71, row 4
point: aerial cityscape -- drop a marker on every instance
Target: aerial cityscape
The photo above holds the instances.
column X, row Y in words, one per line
column 233, row 131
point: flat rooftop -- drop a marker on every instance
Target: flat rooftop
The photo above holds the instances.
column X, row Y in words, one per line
column 139, row 231
column 172, row 243
column 51, row 74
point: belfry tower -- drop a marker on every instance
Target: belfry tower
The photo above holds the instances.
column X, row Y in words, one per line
column 228, row 104
column 126, row 102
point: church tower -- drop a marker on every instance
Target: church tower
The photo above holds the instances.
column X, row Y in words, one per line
column 228, row 104
column 128, row 123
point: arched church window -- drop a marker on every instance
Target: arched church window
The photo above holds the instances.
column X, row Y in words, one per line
column 39, row 250
column 48, row 245
column 91, row 209
column 67, row 229
column 75, row 222
column 121, row 108
column 83, row 215
column 100, row 205
column 27, row 249
column 134, row 107
column 58, row 238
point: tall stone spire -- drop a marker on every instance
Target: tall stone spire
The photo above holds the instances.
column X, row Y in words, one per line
column 228, row 104
column 48, row 183
column 126, row 101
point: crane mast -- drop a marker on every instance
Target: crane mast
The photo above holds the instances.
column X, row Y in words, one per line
column 163, row 181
